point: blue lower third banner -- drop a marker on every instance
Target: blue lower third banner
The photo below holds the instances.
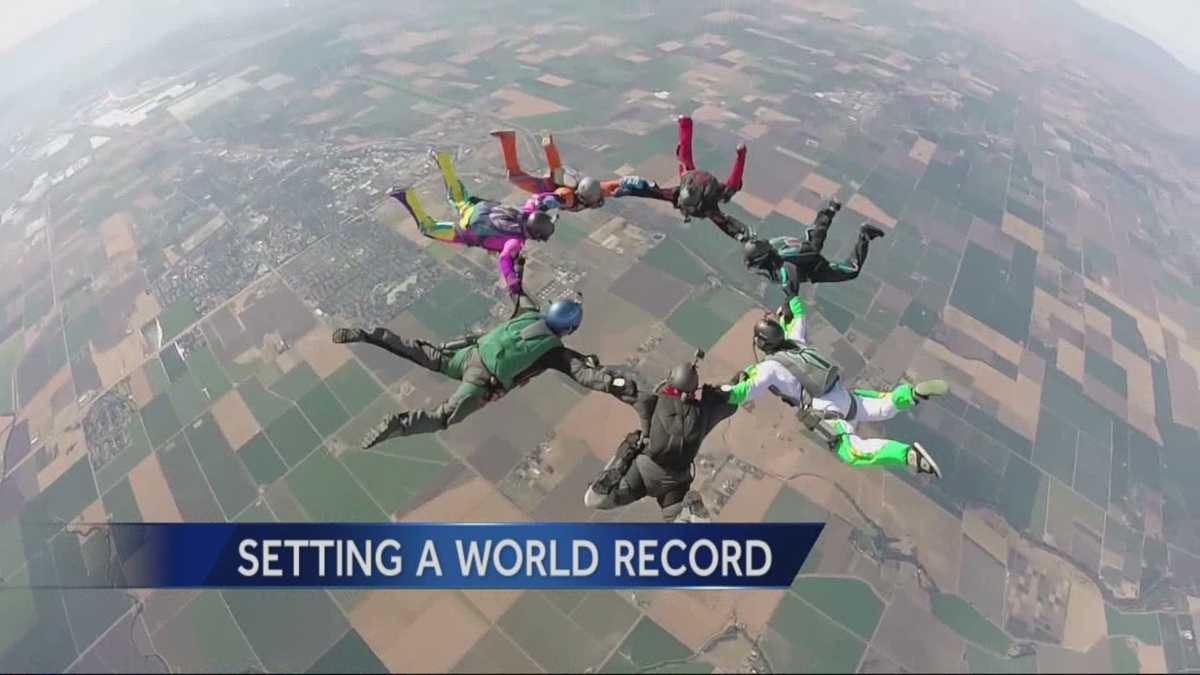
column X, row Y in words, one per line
column 453, row 556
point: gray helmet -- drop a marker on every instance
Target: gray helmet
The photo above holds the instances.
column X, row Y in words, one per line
column 589, row 193
column 769, row 335
column 539, row 225
column 684, row 378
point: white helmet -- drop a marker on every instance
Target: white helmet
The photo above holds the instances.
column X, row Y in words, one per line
column 589, row 192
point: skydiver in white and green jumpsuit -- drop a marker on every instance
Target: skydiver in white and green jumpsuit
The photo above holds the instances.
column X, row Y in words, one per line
column 795, row 372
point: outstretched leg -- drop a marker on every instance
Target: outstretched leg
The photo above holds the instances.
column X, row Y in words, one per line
column 683, row 151
column 508, row 149
column 456, row 192
column 734, row 182
column 434, row 229
column 858, row 451
column 620, row 482
column 829, row 272
column 877, row 406
column 424, row 354
column 553, row 160
column 516, row 175
column 465, row 400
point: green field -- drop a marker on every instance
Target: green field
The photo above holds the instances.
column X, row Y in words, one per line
column 232, row 484
column 393, row 480
column 205, row 638
column 292, row 436
column 160, row 420
column 447, row 316
column 850, row 602
column 650, row 648
column 188, row 401
column 90, row 611
column 188, row 485
column 350, row 655
column 801, row 640
column 1054, row 447
column 328, row 492
column 287, row 644
column 120, row 504
column 353, row 387
column 264, row 405
column 297, row 382
column 981, row 661
column 177, row 317
column 549, row 637
column 1143, row 626
column 1124, row 658
column 323, row 410
column 668, row 256
column 495, row 653
column 10, row 355
column 208, row 373
column 969, row 623
column 704, row 318
column 261, row 460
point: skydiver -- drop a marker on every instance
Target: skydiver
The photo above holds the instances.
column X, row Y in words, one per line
column 791, row 261
column 490, row 365
column 801, row 377
column 656, row 460
column 484, row 223
column 699, row 193
column 563, row 187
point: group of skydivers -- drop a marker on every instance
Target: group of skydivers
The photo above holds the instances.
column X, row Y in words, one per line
column 656, row 460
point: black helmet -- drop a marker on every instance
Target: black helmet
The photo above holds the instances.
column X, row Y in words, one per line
column 756, row 252
column 769, row 335
column 684, row 378
column 539, row 225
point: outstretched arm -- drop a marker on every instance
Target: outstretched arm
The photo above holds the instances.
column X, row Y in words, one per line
column 560, row 198
column 508, row 265
column 731, row 226
column 636, row 186
column 734, row 182
column 762, row 377
column 716, row 403
column 795, row 320
column 586, row 371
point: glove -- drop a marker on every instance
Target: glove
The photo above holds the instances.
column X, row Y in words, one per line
column 623, row 388
column 632, row 184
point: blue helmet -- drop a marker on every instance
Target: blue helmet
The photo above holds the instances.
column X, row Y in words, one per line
column 563, row 317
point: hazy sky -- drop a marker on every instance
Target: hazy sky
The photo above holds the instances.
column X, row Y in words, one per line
column 21, row 18
column 1171, row 23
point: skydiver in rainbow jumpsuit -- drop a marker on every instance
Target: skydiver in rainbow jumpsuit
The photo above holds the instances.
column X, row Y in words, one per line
column 484, row 223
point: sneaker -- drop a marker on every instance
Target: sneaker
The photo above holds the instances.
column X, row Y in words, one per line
column 920, row 460
column 833, row 205
column 930, row 388
column 871, row 231
column 343, row 336
column 501, row 133
column 397, row 192
column 394, row 425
